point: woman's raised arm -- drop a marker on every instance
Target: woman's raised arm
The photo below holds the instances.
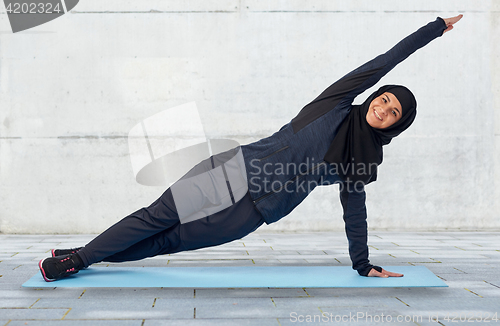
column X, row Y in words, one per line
column 343, row 91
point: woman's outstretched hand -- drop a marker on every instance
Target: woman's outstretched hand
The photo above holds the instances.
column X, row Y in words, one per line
column 384, row 273
column 450, row 21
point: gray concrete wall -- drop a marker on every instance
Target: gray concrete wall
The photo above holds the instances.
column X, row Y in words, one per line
column 71, row 89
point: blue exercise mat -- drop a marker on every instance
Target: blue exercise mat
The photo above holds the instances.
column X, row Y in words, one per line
column 239, row 277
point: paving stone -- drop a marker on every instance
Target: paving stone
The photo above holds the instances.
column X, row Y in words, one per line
column 215, row 322
column 68, row 322
column 221, row 307
column 285, row 322
column 48, row 293
column 250, row 293
column 266, row 262
column 51, row 313
column 368, row 293
column 334, row 301
column 344, row 316
column 138, row 293
column 16, row 303
column 458, row 277
column 122, row 307
column 248, row 311
column 455, row 306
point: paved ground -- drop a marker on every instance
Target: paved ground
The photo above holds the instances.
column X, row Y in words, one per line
column 469, row 262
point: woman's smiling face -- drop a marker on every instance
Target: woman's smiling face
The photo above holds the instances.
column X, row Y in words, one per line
column 384, row 111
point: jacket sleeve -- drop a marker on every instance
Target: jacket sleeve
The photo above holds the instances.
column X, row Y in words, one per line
column 357, row 81
column 356, row 228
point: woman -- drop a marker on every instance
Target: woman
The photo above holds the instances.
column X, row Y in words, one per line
column 329, row 142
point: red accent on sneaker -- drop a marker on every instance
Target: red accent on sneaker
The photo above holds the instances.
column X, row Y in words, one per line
column 43, row 272
column 63, row 251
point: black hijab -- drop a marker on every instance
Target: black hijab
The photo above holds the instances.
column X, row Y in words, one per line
column 356, row 150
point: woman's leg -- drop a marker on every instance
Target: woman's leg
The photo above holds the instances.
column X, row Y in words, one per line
column 235, row 222
column 154, row 245
column 230, row 224
column 140, row 225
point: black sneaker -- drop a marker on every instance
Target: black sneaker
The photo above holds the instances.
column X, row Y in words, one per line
column 64, row 252
column 55, row 268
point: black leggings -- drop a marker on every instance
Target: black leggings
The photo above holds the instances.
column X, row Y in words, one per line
column 156, row 230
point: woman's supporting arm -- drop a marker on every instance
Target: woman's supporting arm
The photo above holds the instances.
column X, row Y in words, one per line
column 356, row 228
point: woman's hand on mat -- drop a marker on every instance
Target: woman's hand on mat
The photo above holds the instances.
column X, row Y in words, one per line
column 374, row 273
column 450, row 21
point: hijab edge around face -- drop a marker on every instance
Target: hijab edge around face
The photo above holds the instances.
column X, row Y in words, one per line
column 356, row 142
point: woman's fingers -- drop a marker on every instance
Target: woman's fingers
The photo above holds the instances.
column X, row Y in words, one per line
column 456, row 18
column 450, row 21
column 453, row 20
column 391, row 273
column 384, row 273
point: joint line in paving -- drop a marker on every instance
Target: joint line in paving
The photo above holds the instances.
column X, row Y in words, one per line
column 34, row 303
column 474, row 293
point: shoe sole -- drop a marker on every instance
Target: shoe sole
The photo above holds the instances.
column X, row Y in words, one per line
column 43, row 272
